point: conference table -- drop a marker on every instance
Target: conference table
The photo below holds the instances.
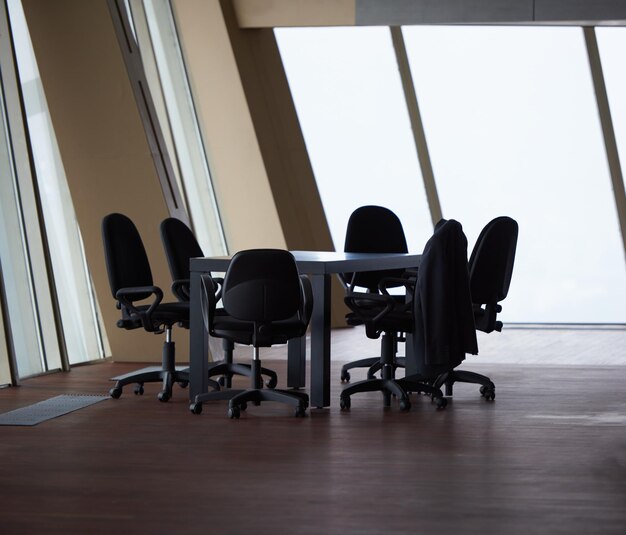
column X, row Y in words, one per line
column 319, row 266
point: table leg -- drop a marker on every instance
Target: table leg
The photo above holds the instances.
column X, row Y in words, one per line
column 409, row 356
column 410, row 360
column 296, row 362
column 198, row 341
column 320, row 342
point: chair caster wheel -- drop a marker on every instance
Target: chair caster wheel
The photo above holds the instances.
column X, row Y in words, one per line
column 163, row 396
column 115, row 392
column 405, row 405
column 138, row 390
column 183, row 384
column 344, row 403
column 195, row 408
column 221, row 381
column 489, row 394
column 271, row 383
column 345, row 377
column 233, row 412
column 441, row 402
column 300, row 411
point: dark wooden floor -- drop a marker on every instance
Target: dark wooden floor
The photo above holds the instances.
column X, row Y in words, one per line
column 548, row 456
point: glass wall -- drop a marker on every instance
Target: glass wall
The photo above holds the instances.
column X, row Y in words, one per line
column 71, row 278
column 348, row 95
column 155, row 30
column 512, row 127
column 20, row 297
column 612, row 46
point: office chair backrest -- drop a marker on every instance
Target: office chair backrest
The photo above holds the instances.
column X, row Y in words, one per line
column 374, row 229
column 442, row 305
column 492, row 259
column 262, row 285
column 125, row 256
column 180, row 245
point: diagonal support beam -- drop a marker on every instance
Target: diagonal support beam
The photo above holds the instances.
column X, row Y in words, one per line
column 145, row 105
column 604, row 111
column 417, row 126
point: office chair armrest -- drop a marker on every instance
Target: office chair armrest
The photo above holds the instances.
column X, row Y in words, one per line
column 139, row 293
column 181, row 289
column 307, row 299
column 485, row 318
column 219, row 282
column 353, row 299
column 386, row 282
column 349, row 285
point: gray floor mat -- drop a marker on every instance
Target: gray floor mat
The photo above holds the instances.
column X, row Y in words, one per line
column 48, row 409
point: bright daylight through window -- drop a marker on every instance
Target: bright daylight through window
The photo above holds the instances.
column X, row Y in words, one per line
column 512, row 127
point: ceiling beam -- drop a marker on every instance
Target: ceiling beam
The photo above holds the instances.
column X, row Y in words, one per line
column 272, row 13
column 293, row 13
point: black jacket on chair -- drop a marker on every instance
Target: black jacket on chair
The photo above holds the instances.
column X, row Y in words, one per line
column 444, row 319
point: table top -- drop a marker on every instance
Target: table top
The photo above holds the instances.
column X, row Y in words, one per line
column 324, row 262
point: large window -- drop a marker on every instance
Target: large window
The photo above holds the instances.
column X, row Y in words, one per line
column 352, row 111
column 44, row 271
column 71, row 279
column 155, row 30
column 16, row 272
column 512, row 127
column 612, row 46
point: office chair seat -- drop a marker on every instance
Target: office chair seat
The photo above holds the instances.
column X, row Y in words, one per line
column 168, row 312
column 241, row 332
column 398, row 319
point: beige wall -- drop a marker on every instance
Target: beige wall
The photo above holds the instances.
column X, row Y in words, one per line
column 279, row 136
column 242, row 188
column 268, row 13
column 103, row 146
column 260, row 167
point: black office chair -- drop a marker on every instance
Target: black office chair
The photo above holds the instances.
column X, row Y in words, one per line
column 130, row 279
column 439, row 316
column 490, row 272
column 372, row 229
column 180, row 246
column 270, row 304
